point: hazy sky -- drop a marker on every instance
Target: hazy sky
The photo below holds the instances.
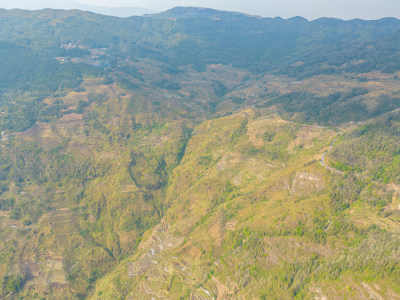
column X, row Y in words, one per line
column 311, row 9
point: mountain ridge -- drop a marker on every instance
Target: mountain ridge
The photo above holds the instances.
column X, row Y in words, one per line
column 269, row 41
column 122, row 12
column 198, row 158
column 192, row 11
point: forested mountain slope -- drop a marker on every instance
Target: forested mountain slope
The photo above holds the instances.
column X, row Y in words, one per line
column 198, row 154
column 189, row 36
column 359, row 57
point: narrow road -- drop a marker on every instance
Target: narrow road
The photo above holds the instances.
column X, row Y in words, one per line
column 322, row 161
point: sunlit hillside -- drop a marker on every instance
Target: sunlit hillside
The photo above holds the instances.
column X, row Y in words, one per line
column 198, row 154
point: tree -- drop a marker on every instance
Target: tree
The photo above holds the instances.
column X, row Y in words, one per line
column 12, row 284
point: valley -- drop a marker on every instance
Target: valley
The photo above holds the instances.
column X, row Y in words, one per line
column 225, row 173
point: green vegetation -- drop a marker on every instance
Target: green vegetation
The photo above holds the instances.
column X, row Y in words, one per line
column 219, row 89
column 12, row 284
column 379, row 54
column 179, row 155
column 168, row 85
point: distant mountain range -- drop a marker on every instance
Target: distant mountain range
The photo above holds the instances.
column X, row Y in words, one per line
column 199, row 12
column 122, row 12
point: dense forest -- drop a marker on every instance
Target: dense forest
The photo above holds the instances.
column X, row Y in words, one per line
column 200, row 37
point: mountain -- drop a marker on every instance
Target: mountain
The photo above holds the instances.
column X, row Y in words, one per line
column 198, row 12
column 198, row 154
column 122, row 12
column 258, row 44
column 377, row 54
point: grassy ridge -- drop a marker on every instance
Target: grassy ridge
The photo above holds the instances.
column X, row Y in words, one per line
column 258, row 226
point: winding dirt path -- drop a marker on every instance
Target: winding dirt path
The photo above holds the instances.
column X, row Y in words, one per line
column 322, row 161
